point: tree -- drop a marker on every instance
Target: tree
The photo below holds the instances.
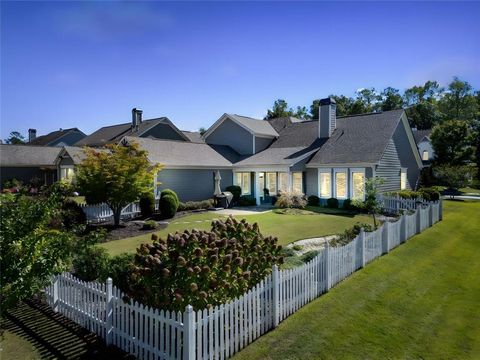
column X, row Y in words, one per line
column 454, row 177
column 451, row 142
column 344, row 106
column 391, row 99
column 34, row 247
column 15, row 138
column 281, row 109
column 367, row 100
column 422, row 105
column 371, row 204
column 202, row 130
column 459, row 101
column 116, row 177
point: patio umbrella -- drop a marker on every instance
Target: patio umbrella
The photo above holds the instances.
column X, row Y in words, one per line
column 218, row 190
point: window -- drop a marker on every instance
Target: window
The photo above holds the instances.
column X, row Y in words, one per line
column 67, row 173
column 403, row 179
column 282, row 181
column 425, row 156
column 358, row 185
column 341, row 185
column 297, row 182
column 325, row 185
column 272, row 183
column 243, row 180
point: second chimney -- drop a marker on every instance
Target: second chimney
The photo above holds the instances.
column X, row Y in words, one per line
column 136, row 118
column 32, row 134
column 327, row 117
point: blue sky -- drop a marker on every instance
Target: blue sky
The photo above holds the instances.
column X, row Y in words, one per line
column 86, row 64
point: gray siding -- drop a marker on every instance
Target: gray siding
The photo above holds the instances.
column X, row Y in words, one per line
column 233, row 135
column 25, row 174
column 262, row 143
column 406, row 155
column 163, row 131
column 193, row 184
column 311, row 179
column 389, row 168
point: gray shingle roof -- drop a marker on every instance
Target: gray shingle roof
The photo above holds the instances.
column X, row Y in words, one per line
column 28, row 155
column 418, row 135
column 193, row 136
column 77, row 154
column 258, row 127
column 114, row 133
column 281, row 123
column 181, row 153
column 358, row 139
column 54, row 135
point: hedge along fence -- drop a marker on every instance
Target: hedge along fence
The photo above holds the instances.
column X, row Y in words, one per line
column 221, row 331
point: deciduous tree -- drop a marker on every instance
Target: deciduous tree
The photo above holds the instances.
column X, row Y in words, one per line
column 15, row 138
column 451, row 142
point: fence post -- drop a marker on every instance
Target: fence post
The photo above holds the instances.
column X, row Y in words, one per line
column 361, row 238
column 189, row 333
column 109, row 313
column 328, row 274
column 440, row 208
column 276, row 295
column 430, row 215
column 55, row 294
column 385, row 239
column 419, row 216
column 403, row 228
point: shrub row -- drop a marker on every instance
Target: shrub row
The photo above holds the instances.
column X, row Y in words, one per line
column 196, row 205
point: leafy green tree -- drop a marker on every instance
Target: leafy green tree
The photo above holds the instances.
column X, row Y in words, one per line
column 459, row 102
column 454, row 176
column 281, row 109
column 371, row 204
column 451, row 142
column 391, row 99
column 116, row 177
column 34, row 246
column 15, row 138
column 344, row 106
column 368, row 100
column 202, row 130
column 422, row 105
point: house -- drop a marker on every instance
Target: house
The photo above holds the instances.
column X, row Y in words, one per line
column 329, row 157
column 62, row 137
column 28, row 163
column 160, row 128
column 422, row 139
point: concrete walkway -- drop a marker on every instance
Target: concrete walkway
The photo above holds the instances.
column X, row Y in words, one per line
column 244, row 211
column 462, row 197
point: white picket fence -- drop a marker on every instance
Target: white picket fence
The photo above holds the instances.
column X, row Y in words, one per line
column 221, row 331
column 393, row 204
column 102, row 212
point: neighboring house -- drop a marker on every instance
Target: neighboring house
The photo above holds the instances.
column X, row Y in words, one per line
column 161, row 128
column 28, row 163
column 62, row 137
column 422, row 139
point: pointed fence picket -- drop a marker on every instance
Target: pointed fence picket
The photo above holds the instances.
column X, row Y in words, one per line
column 223, row 330
column 102, row 212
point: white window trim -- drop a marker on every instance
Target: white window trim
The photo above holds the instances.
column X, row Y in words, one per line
column 237, row 184
column 423, row 155
column 64, row 167
column 291, row 183
column 404, row 171
column 334, row 181
column 267, row 184
column 357, row 170
column 325, row 171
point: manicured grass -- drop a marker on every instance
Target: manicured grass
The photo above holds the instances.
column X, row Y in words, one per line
column 15, row 347
column 470, row 191
column 421, row 301
column 287, row 227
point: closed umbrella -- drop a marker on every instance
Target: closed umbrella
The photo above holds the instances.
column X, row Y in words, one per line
column 218, row 178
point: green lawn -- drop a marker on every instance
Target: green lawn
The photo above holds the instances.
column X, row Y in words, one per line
column 421, row 301
column 287, row 227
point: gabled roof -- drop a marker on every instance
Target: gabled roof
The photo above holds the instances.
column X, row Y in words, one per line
column 358, row 139
column 419, row 135
column 51, row 137
column 76, row 153
column 28, row 155
column 114, row 133
column 173, row 153
column 282, row 122
column 193, row 136
column 254, row 126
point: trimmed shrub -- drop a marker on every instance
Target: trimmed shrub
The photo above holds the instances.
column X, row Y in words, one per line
column 202, row 268
column 350, row 234
column 90, row 263
column 429, row 194
column 291, row 200
column 332, row 203
column 235, row 190
column 348, row 204
column 72, row 214
column 409, row 194
column 172, row 193
column 313, row 200
column 247, row 200
column 196, row 205
column 149, row 225
column 308, row 256
column 168, row 206
column 297, row 247
column 147, row 204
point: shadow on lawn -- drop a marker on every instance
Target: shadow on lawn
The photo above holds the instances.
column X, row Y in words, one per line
column 54, row 336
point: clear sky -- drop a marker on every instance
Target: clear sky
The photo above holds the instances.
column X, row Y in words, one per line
column 86, row 64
